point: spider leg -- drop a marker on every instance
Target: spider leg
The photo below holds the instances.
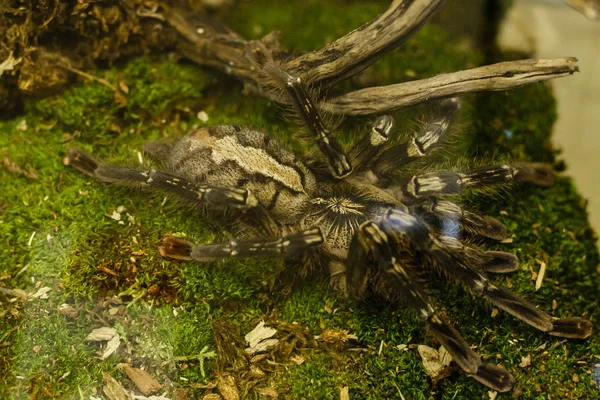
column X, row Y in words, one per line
column 197, row 193
column 432, row 137
column 303, row 103
column 457, row 261
column 364, row 152
column 433, row 184
column 373, row 243
column 287, row 246
column 453, row 218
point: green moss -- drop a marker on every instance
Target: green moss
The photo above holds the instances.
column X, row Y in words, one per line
column 88, row 258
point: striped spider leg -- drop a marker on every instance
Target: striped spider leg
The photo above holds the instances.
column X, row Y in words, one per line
column 166, row 181
column 374, row 243
column 403, row 246
column 285, row 246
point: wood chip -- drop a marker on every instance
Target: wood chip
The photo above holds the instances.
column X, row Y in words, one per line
column 540, row 276
column 298, row 359
column 525, row 361
column 227, row 388
column 112, row 346
column 259, row 333
column 101, row 334
column 143, row 380
column 113, row 389
column 344, row 393
column 493, row 394
column 212, row 396
column 13, row 168
column 268, row 392
column 42, row 293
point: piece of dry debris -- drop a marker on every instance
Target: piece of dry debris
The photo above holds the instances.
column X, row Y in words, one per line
column 105, row 334
column 101, row 334
column 142, row 380
column 113, row 389
column 525, row 361
column 259, row 339
column 227, row 387
column 434, row 361
column 344, row 393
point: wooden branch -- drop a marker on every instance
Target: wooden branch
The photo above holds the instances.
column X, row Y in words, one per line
column 213, row 44
column 495, row 77
column 360, row 48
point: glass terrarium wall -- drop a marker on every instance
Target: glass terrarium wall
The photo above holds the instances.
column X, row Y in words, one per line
column 546, row 29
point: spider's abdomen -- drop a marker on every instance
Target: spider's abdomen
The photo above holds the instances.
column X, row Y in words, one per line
column 241, row 157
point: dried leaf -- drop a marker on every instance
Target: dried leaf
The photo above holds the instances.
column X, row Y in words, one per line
column 112, row 346
column 297, row 359
column 113, row 389
column 268, row 392
column 161, row 397
column 344, row 394
column 227, row 388
column 143, row 380
column 42, row 293
column 525, row 361
column 434, row 361
column 9, row 63
column 259, row 333
column 101, row 334
column 258, row 338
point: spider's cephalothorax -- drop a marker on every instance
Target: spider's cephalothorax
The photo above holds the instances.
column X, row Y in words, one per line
column 372, row 229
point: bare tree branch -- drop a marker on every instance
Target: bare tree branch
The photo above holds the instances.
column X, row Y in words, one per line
column 360, row 48
column 495, row 77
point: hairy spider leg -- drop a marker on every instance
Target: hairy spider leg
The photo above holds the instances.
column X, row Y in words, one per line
column 286, row 246
column 433, row 136
column 364, row 152
column 457, row 261
column 453, row 219
column 183, row 188
column 373, row 243
column 441, row 183
column 305, row 107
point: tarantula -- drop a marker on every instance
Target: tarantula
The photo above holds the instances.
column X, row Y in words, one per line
column 347, row 210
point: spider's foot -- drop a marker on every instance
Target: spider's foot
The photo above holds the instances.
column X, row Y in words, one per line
column 494, row 377
column 491, row 228
column 82, row 161
column 172, row 247
column 537, row 173
column 500, row 262
column 573, row 328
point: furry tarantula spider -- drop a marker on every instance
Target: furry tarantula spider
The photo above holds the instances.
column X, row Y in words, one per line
column 348, row 211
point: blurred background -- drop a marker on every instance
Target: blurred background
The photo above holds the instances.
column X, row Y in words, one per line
column 548, row 29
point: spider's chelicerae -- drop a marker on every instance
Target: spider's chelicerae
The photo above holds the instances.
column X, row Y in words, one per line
column 348, row 210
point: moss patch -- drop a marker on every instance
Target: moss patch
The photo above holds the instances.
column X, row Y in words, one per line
column 61, row 231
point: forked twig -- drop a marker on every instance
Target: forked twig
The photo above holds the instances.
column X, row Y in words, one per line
column 360, row 48
column 495, row 77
